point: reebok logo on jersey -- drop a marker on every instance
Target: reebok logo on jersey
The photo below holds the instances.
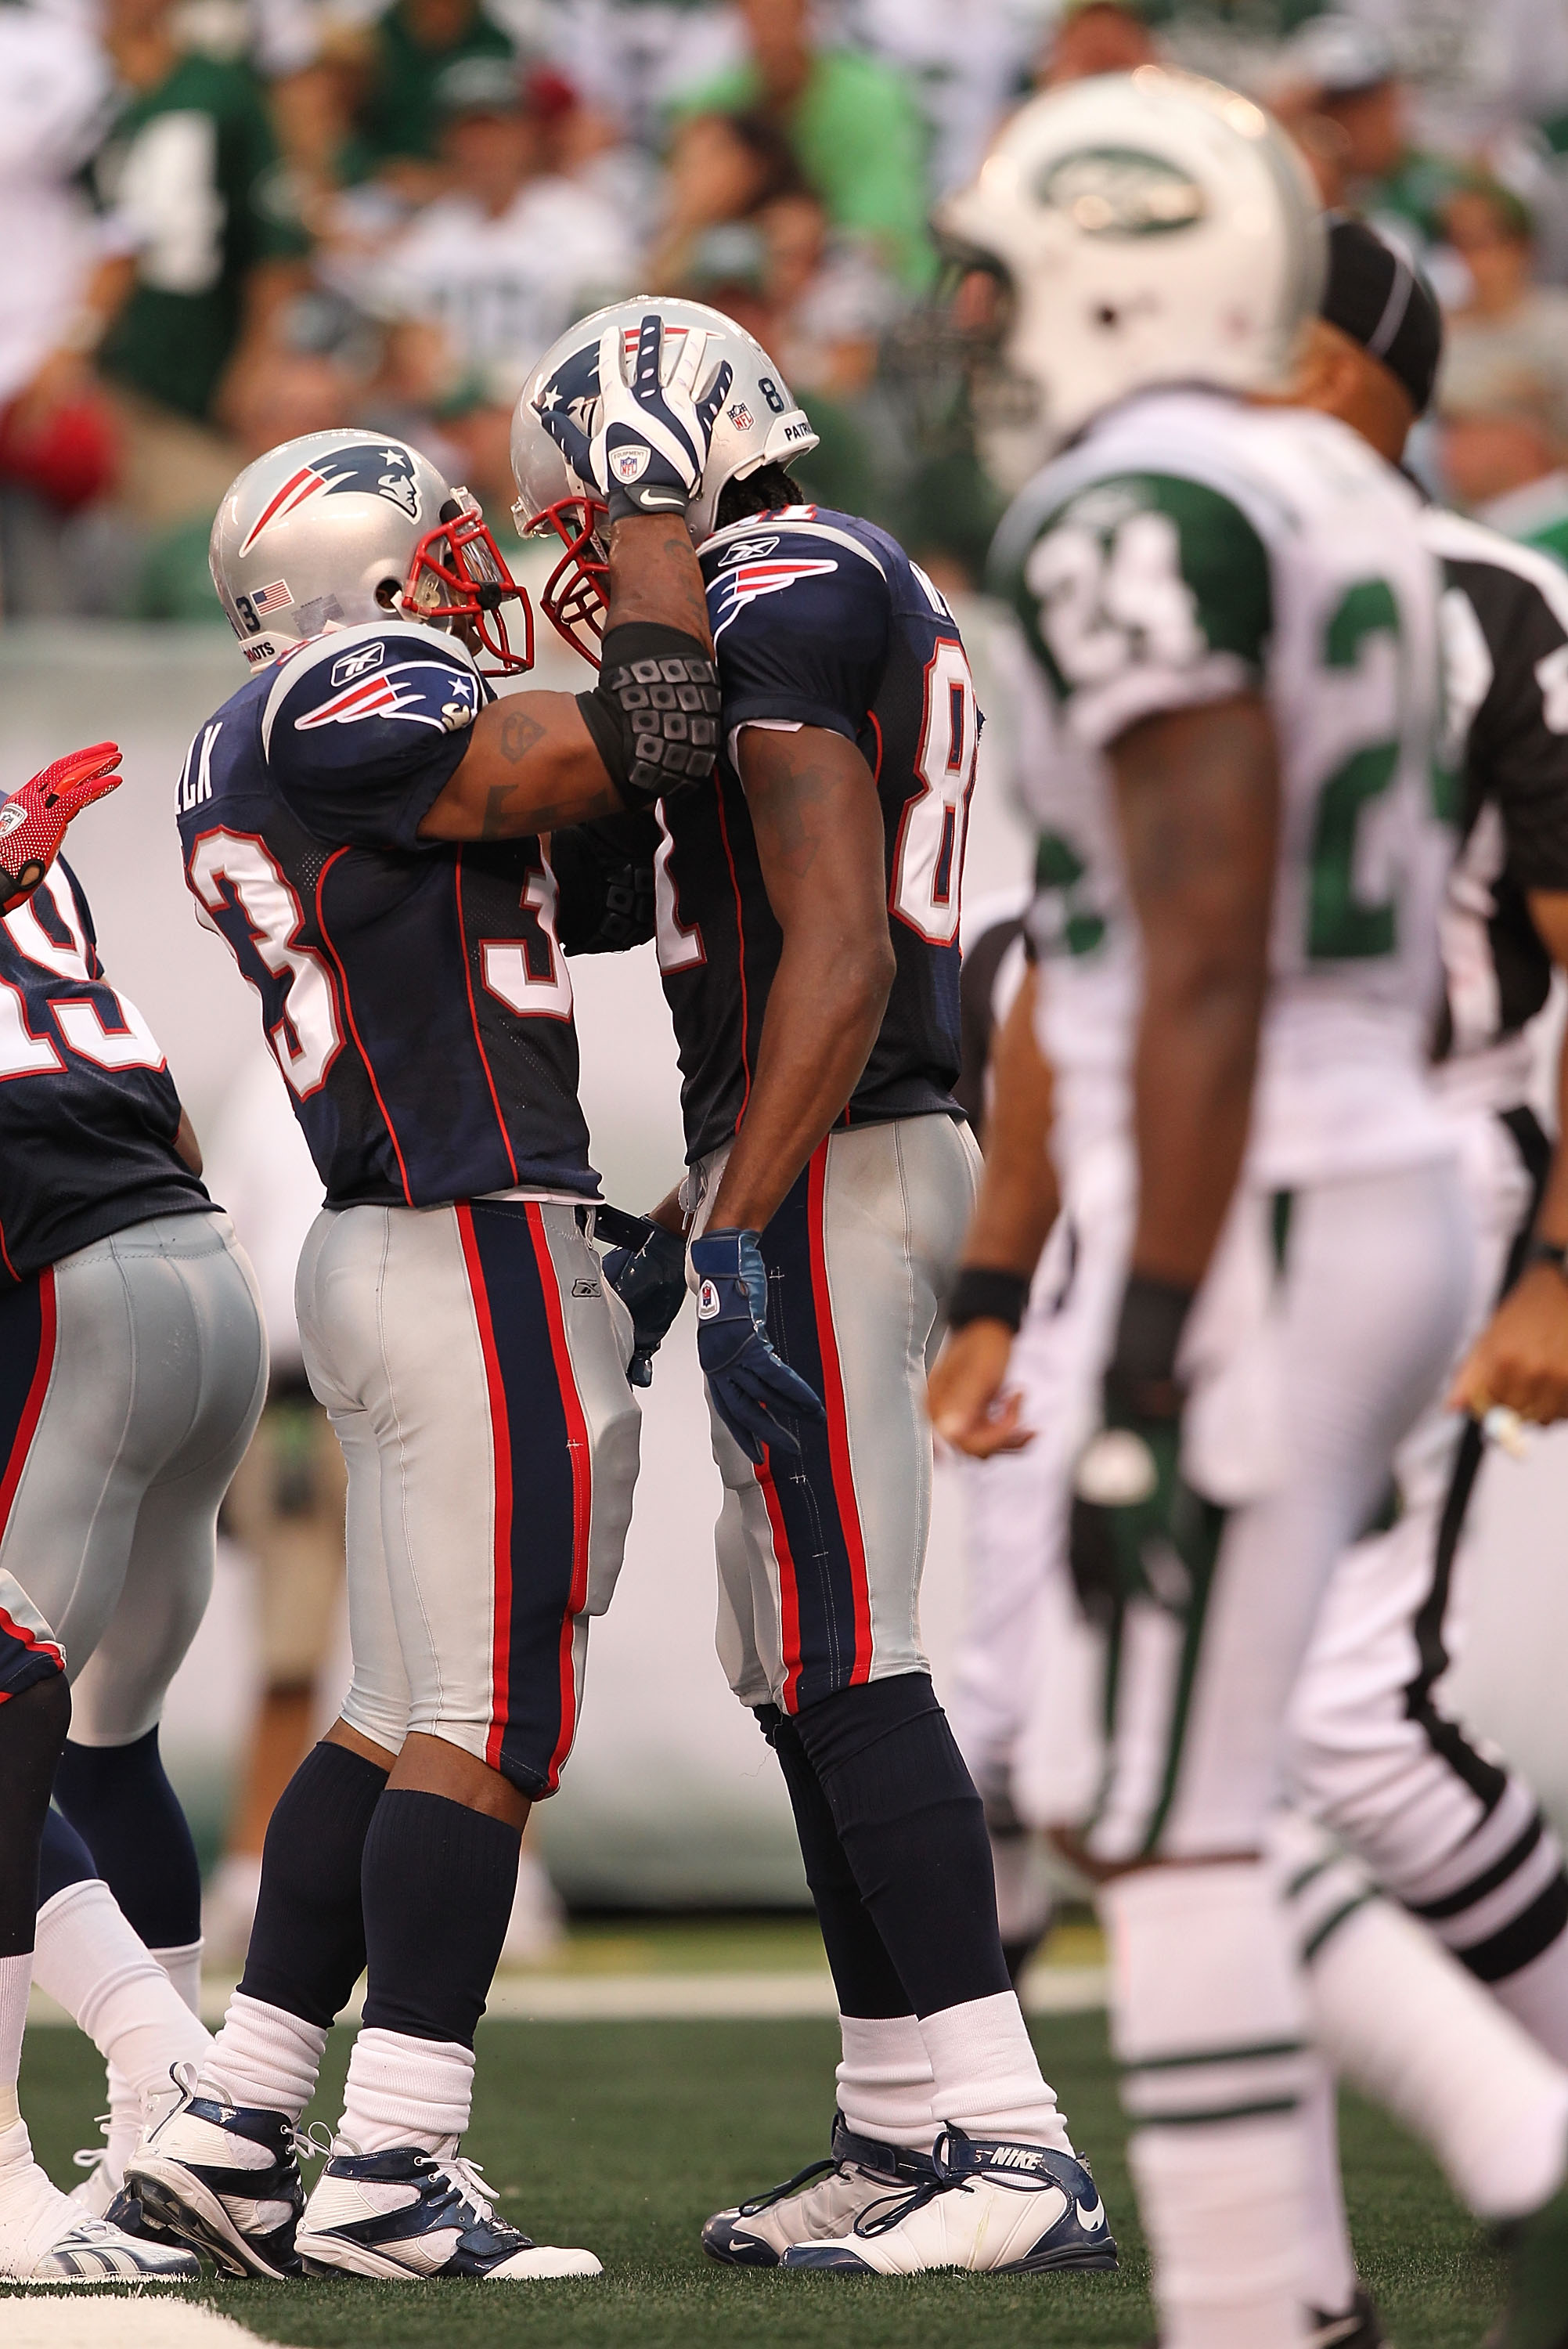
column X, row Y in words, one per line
column 376, row 469
column 742, row 585
column 383, row 696
column 707, row 1303
column 355, row 664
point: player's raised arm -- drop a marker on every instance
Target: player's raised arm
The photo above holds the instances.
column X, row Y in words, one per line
column 650, row 727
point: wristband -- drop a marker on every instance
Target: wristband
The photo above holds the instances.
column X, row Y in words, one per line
column 987, row 1293
column 653, row 714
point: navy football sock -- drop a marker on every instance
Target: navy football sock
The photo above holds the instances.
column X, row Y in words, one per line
column 63, row 1859
column 33, row 1725
column 914, row 1831
column 307, row 1944
column 120, row 1803
column 438, row 1883
column 865, row 1976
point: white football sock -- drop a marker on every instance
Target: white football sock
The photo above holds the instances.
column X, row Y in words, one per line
column 15, row 1982
column 884, row 2080
column 1208, row 2018
column 985, row 2076
column 1330, row 2261
column 264, row 2055
column 183, row 1967
column 90, row 1960
column 1403, row 2019
column 1537, row 1997
column 405, row 2091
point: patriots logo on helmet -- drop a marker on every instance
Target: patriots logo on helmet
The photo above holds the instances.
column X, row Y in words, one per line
column 768, row 575
column 374, row 468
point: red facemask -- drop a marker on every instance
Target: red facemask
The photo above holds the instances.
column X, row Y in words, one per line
column 459, row 574
column 576, row 596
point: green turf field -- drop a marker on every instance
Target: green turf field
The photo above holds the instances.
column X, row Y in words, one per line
column 624, row 2135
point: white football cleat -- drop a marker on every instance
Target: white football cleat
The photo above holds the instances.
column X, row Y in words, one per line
column 45, row 2239
column 405, row 2214
column 826, row 2199
column 989, row 2204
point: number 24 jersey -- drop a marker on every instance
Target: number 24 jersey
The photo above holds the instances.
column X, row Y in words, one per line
column 1190, row 549
column 822, row 620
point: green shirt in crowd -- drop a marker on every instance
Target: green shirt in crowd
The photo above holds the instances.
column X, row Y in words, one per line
column 860, row 141
column 192, row 172
column 398, row 117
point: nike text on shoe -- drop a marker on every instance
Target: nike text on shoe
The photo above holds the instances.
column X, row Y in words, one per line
column 990, row 2203
column 823, row 2201
column 46, row 2239
column 225, row 2179
column 411, row 2215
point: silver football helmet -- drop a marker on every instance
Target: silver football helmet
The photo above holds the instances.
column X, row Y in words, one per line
column 336, row 528
column 759, row 425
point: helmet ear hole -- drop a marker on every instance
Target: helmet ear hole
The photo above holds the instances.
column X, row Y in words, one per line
column 387, row 592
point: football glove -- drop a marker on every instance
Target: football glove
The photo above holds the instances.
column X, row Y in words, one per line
column 1138, row 1528
column 33, row 821
column 648, row 453
column 646, row 1270
column 747, row 1381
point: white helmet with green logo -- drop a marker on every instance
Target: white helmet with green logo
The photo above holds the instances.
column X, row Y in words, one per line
column 1144, row 228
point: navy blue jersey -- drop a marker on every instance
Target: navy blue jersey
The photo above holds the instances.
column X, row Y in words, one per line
column 819, row 620
column 413, row 993
column 87, row 1107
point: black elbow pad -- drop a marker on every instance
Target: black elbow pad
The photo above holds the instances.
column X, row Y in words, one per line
column 653, row 714
column 604, row 878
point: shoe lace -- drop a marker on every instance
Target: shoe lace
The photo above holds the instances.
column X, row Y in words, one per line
column 801, row 2179
column 90, row 2157
column 880, row 2218
column 308, row 2147
column 475, row 2188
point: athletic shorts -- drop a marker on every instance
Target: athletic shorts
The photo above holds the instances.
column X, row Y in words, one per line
column 820, row 1554
column 474, row 1369
column 132, row 1374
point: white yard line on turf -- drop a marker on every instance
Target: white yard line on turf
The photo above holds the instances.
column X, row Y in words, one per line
column 110, row 2320
column 517, row 1997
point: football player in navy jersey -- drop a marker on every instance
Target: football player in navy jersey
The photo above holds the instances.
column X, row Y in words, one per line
column 362, row 823
column 808, row 935
column 131, row 1367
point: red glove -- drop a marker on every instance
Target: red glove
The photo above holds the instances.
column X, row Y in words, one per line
column 33, row 821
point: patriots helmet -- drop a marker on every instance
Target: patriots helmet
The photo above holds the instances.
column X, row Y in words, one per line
column 1126, row 230
column 340, row 527
column 758, row 424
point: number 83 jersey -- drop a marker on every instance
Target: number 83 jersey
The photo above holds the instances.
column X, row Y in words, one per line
column 1189, row 550
column 820, row 619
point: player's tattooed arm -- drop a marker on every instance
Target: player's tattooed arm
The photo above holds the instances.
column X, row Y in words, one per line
column 1016, row 1205
column 653, row 575
column 1519, row 1361
column 821, row 844
column 1197, row 795
column 530, row 764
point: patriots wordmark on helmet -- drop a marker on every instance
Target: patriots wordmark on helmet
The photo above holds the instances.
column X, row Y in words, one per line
column 374, row 469
column 743, row 585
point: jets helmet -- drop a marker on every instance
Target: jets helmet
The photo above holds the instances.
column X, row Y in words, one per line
column 1138, row 228
column 340, row 527
column 759, row 425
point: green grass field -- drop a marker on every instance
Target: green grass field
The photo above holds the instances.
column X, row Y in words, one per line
column 624, row 2135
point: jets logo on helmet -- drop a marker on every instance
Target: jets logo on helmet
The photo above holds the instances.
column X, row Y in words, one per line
column 378, row 469
column 734, row 589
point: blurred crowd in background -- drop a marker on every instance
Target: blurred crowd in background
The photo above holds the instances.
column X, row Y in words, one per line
column 226, row 221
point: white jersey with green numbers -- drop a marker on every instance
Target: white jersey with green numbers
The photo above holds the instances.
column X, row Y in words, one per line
column 1190, row 548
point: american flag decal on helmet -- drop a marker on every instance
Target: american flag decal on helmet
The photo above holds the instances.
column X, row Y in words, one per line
column 376, row 468
column 766, row 576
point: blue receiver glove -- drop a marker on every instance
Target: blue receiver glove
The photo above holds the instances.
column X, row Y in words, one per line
column 646, row 1270
column 748, row 1383
column 648, row 453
